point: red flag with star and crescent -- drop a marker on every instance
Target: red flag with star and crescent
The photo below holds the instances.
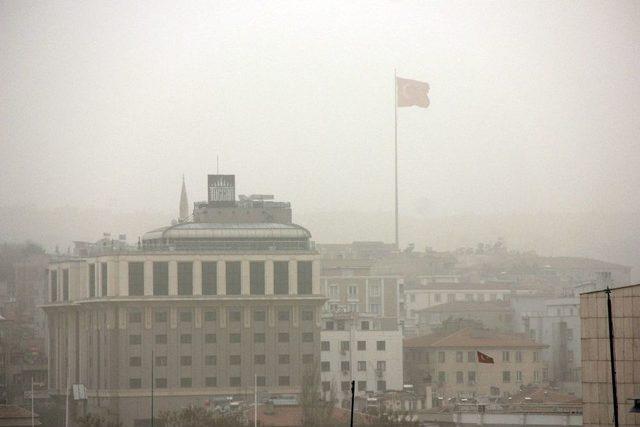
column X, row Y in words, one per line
column 483, row 358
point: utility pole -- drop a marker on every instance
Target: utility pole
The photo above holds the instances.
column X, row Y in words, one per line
column 612, row 354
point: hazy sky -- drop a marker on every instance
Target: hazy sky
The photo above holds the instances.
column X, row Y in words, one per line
column 534, row 105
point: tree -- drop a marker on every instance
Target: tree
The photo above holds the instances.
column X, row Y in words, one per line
column 197, row 416
column 316, row 412
column 91, row 420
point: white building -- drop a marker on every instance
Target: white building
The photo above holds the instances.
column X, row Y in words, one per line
column 352, row 349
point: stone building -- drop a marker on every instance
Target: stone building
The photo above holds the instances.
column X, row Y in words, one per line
column 596, row 358
column 495, row 315
column 216, row 307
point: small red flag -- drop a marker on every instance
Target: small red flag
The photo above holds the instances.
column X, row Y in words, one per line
column 483, row 358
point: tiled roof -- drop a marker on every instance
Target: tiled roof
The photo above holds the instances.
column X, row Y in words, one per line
column 471, row 338
column 458, row 306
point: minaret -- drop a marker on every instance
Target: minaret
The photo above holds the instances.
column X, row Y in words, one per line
column 184, row 203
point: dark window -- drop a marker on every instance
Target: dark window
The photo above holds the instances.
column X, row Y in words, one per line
column 161, row 383
column 186, row 316
column 104, row 274
column 210, row 316
column 283, row 337
column 325, row 346
column 261, row 381
column 161, row 339
column 185, row 278
column 234, row 338
column 211, row 382
column 362, row 386
column 345, row 386
column 283, row 380
column 259, row 359
column 381, row 345
column 307, row 315
column 259, row 337
column 210, row 338
column 161, row 360
column 135, row 361
column 135, row 317
column 344, row 345
column 281, row 277
column 136, row 278
column 283, row 315
column 256, row 278
column 325, row 366
column 135, row 383
column 92, row 280
column 459, row 377
column 65, row 285
column 382, row 386
column 326, row 386
column 185, row 382
column 210, row 360
column 234, row 359
column 234, row 315
column 233, row 275
column 161, row 316
column 283, row 359
column 185, row 339
column 305, row 277
column 209, row 278
column 234, row 381
column 161, row 278
column 344, row 366
column 362, row 345
column 259, row 315
column 364, row 326
column 307, row 358
column 185, row 360
column 307, row 337
column 135, row 339
column 54, row 285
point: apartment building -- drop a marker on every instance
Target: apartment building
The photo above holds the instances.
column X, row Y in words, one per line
column 216, row 308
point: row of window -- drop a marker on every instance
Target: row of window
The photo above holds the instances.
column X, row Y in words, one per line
column 187, row 382
column 212, row 360
column 233, row 315
column 352, row 291
column 452, row 297
column 346, row 345
column 471, row 356
column 345, row 366
column 234, row 338
column 209, row 275
column 506, row 376
column 345, row 386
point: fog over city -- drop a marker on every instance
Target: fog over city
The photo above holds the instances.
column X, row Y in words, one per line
column 522, row 169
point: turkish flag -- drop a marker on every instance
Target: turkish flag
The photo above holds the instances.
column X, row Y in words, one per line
column 412, row 92
column 483, row 358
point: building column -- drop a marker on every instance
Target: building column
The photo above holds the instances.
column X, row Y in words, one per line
column 173, row 278
column 197, row 277
column 222, row 277
column 315, row 277
column 244, row 278
column 123, row 279
column 268, row 277
column 293, row 277
column 148, row 278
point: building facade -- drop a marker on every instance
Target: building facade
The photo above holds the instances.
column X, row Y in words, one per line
column 216, row 308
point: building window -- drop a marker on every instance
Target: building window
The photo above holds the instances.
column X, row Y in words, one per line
column 325, row 346
column 506, row 376
column 261, row 381
column 471, row 377
column 519, row 376
column 374, row 290
column 334, row 292
column 352, row 291
column 283, row 359
column 325, row 366
column 518, row 356
column 160, row 316
column 258, row 337
column 211, row 382
column 283, row 381
column 136, row 278
column 161, row 383
column 307, row 337
column 234, row 381
column 471, row 356
column 209, row 278
column 362, row 365
column 210, row 360
column 185, row 382
column 442, row 377
column 362, row 345
column 536, row 356
column 441, row 357
column 569, row 334
column 54, row 285
column 135, row 339
column 307, row 359
column 256, row 277
column 161, row 278
column 326, row 386
column 459, row 357
column 186, row 316
column 344, row 366
column 233, row 275
column 281, row 277
column 307, row 315
column 459, row 377
column 259, row 359
column 185, row 338
column 283, row 315
column 92, row 280
column 381, row 365
column 362, row 386
column 210, row 338
column 437, row 298
column 305, row 277
column 185, row 278
column 345, row 386
column 234, row 338
column 382, row 386
column 135, row 361
column 381, row 345
column 283, row 337
column 185, row 360
column 104, row 275
column 451, row 297
column 506, row 356
column 344, row 346
column 161, row 339
column 234, row 359
column 374, row 308
column 65, row 285
column 135, row 383
column 135, row 317
column 235, row 315
column 161, row 361
column 259, row 316
column 570, row 356
column 210, row 316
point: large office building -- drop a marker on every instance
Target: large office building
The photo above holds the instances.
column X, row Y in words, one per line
column 225, row 299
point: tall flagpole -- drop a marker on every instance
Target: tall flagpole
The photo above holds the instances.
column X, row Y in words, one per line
column 395, row 109
column 152, row 379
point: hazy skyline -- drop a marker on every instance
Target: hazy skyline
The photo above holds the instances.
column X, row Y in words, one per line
column 534, row 105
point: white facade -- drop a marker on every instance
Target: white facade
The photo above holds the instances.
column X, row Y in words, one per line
column 373, row 359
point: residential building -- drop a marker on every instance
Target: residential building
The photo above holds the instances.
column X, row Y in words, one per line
column 445, row 365
column 495, row 315
column 353, row 350
column 597, row 391
column 217, row 305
